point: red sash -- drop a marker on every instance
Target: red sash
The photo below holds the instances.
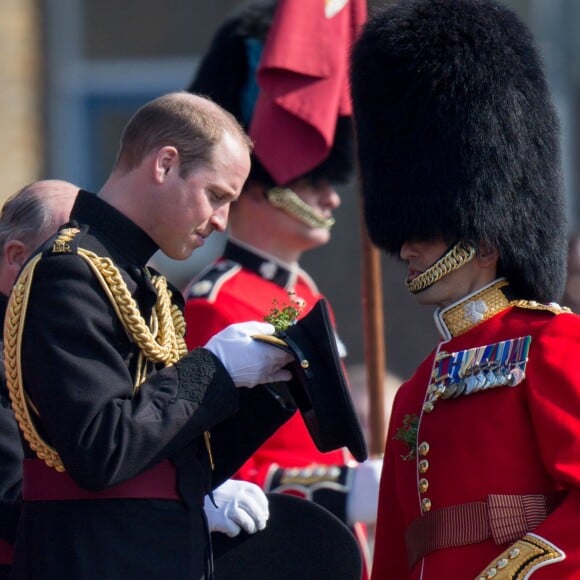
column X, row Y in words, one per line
column 43, row 483
column 6, row 552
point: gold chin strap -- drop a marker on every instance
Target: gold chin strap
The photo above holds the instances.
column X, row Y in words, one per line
column 160, row 342
column 286, row 199
column 452, row 260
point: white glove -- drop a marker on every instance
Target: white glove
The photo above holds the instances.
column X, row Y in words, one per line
column 241, row 505
column 363, row 498
column 250, row 362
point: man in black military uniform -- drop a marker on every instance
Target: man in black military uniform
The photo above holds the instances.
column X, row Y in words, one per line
column 28, row 218
column 125, row 432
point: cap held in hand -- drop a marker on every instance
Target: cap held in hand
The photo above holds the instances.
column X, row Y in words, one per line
column 319, row 385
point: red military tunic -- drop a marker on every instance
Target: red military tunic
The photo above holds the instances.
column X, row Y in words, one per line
column 481, row 451
column 229, row 292
column 243, row 286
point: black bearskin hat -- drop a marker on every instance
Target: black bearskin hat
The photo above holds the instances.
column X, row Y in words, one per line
column 227, row 75
column 458, row 138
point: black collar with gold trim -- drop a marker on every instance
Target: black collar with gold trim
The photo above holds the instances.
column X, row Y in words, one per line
column 265, row 267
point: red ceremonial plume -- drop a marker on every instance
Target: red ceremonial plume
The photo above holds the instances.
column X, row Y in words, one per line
column 303, row 79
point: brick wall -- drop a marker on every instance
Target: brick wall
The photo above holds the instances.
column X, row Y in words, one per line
column 20, row 99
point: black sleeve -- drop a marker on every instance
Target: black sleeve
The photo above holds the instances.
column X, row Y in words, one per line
column 76, row 358
column 260, row 414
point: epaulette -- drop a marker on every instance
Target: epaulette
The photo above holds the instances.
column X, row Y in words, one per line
column 552, row 307
column 208, row 282
column 164, row 348
column 66, row 241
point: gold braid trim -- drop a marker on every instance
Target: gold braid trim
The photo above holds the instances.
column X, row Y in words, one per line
column 13, row 327
column 533, row 305
column 456, row 318
column 456, row 257
column 522, row 559
column 162, row 342
column 286, row 199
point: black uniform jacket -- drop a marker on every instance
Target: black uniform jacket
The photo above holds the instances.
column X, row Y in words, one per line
column 78, row 364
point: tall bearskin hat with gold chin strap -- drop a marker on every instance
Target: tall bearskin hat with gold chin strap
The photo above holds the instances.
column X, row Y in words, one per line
column 457, row 137
column 227, row 74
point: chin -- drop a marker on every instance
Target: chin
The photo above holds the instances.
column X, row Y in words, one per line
column 318, row 237
column 181, row 254
column 427, row 297
column 420, row 297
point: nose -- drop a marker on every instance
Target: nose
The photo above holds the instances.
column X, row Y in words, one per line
column 329, row 197
column 408, row 250
column 219, row 219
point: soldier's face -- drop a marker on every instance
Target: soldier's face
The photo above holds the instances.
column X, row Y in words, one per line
column 322, row 199
column 470, row 277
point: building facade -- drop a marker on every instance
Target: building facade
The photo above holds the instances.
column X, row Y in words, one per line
column 73, row 71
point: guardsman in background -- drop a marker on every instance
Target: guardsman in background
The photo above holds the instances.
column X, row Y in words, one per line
column 275, row 220
column 458, row 144
column 28, row 218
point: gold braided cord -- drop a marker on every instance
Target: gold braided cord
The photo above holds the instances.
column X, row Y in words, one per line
column 286, row 199
column 456, row 257
column 13, row 329
column 161, row 342
column 533, row 305
column 163, row 347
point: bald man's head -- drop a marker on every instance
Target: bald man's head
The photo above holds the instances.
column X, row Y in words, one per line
column 27, row 219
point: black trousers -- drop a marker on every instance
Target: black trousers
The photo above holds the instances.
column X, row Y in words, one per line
column 114, row 539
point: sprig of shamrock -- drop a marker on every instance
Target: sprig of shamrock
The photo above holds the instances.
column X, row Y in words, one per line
column 407, row 433
column 282, row 316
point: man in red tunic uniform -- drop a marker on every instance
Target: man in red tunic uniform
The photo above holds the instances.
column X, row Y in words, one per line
column 459, row 151
column 271, row 226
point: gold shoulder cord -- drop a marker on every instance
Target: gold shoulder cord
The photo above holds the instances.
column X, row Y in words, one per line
column 160, row 342
column 533, row 305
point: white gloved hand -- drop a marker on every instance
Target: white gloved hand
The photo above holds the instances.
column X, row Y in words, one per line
column 241, row 505
column 363, row 498
column 250, row 362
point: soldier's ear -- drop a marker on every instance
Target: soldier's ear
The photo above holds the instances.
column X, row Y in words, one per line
column 254, row 191
column 487, row 253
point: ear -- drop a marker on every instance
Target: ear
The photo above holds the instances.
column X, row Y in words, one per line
column 166, row 163
column 488, row 255
column 254, row 191
column 15, row 254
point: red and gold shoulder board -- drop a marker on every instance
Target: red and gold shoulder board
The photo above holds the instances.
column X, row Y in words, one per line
column 552, row 307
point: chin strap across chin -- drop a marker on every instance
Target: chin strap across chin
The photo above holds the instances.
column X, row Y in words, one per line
column 458, row 255
column 287, row 200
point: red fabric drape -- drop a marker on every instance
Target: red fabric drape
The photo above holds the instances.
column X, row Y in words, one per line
column 303, row 77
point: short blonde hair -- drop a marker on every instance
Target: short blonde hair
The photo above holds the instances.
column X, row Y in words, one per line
column 193, row 124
